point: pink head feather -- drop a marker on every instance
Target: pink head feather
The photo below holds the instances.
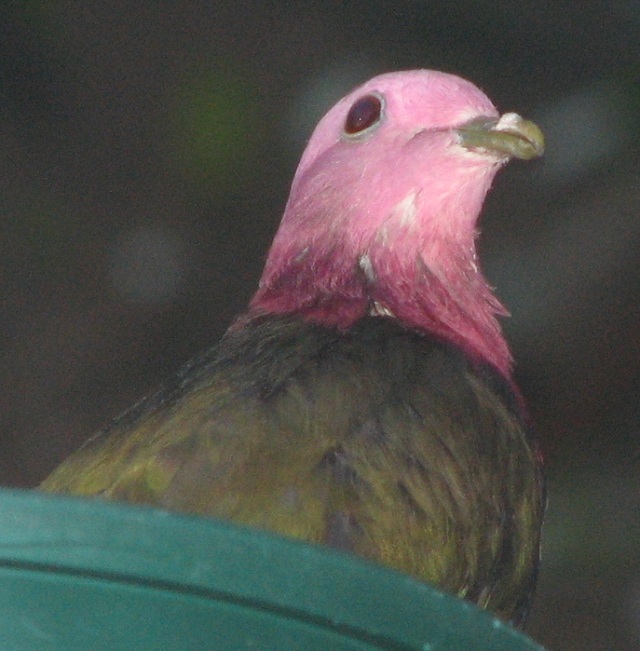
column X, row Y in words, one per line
column 384, row 222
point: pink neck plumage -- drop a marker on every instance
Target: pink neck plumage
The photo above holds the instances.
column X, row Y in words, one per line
column 415, row 296
column 332, row 282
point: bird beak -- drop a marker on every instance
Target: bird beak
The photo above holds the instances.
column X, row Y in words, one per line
column 510, row 136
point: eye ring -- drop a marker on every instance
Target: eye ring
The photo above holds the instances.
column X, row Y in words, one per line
column 365, row 114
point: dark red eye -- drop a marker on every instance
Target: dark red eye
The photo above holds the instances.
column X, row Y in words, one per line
column 364, row 113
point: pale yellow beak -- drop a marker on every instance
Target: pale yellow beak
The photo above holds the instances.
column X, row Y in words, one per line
column 510, row 136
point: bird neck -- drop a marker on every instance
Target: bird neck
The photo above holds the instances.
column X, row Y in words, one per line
column 452, row 302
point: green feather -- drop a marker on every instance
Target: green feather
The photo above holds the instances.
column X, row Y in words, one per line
column 378, row 441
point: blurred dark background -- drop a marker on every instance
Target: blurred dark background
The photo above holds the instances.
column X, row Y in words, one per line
column 145, row 155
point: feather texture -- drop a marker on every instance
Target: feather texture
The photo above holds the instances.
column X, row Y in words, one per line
column 365, row 399
column 376, row 440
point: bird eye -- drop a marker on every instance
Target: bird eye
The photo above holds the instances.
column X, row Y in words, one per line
column 365, row 113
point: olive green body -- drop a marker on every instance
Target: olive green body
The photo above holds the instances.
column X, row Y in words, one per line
column 376, row 440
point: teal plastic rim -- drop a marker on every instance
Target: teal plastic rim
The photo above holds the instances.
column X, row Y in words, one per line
column 80, row 574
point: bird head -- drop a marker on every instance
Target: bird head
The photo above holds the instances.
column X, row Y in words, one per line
column 382, row 214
